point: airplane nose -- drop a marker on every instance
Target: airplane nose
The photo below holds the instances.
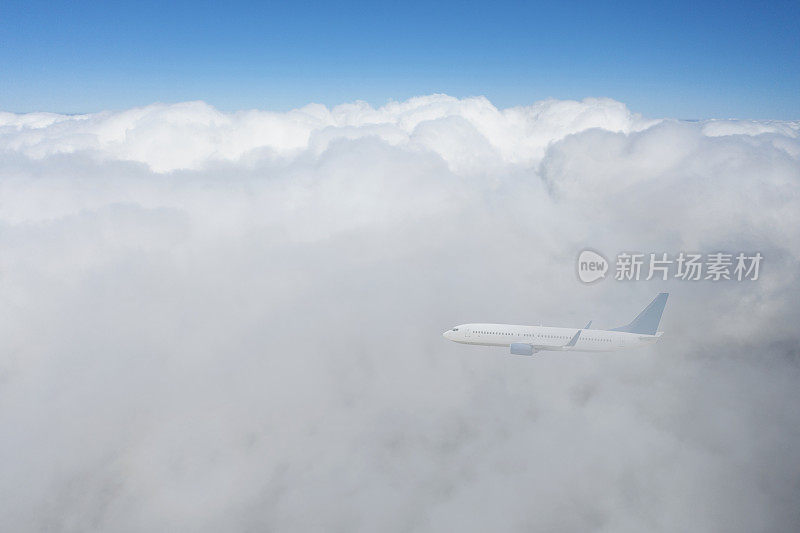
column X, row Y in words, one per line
column 446, row 334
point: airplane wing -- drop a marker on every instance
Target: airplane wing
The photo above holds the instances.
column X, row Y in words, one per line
column 524, row 348
column 573, row 340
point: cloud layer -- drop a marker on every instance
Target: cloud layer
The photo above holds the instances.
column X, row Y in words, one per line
column 233, row 321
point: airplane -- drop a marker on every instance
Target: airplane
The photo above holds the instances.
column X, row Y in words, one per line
column 528, row 340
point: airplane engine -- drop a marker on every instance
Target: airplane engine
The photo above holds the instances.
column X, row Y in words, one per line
column 520, row 348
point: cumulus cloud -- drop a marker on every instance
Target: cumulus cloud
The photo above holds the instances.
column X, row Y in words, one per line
column 193, row 134
column 233, row 320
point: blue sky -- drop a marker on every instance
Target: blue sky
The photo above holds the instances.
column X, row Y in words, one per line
column 677, row 59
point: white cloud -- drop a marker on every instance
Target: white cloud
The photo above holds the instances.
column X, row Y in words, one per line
column 192, row 134
column 232, row 321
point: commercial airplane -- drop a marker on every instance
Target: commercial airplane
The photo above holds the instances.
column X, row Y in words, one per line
column 527, row 340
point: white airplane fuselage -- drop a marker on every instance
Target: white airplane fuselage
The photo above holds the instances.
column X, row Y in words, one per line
column 548, row 338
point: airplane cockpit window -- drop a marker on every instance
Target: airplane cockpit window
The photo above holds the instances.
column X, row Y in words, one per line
column 455, row 329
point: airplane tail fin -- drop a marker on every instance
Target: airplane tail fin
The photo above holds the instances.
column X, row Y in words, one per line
column 647, row 321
